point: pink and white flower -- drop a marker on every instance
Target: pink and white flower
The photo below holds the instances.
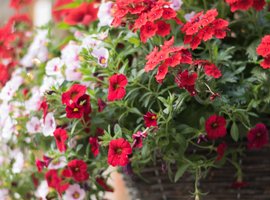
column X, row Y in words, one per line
column 105, row 14
column 42, row 190
column 33, row 125
column 176, row 4
column 49, row 125
column 58, row 163
column 74, row 192
column 54, row 66
column 102, row 54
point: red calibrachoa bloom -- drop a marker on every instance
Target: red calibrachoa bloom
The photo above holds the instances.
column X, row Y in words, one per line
column 258, row 136
column 264, row 50
column 4, row 74
column 93, row 141
column 119, row 149
column 138, row 139
column 58, row 12
column 221, row 150
column 204, row 27
column 167, row 56
column 84, row 14
column 246, row 4
column 55, row 181
column 187, row 81
column 102, row 183
column 73, row 94
column 17, row 4
column 163, row 28
column 61, row 136
column 101, row 105
column 117, row 84
column 77, row 169
column 150, row 119
column 215, row 127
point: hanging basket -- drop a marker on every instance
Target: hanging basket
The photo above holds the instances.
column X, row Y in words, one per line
column 217, row 184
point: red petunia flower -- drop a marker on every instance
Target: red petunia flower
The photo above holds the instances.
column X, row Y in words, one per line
column 150, row 119
column 119, row 149
column 163, row 28
column 102, row 183
column 162, row 72
column 117, row 84
column 73, row 94
column 101, row 105
column 4, row 74
column 258, row 4
column 74, row 111
column 77, row 169
column 84, row 14
column 55, row 181
column 215, row 127
column 221, row 150
column 148, row 30
column 84, row 102
column 17, row 4
column 265, row 64
column 61, row 136
column 258, row 136
column 93, row 141
column 58, row 12
column 187, row 81
column 40, row 165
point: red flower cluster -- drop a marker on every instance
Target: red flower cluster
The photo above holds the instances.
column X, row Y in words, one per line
column 264, row 50
column 246, row 4
column 150, row 16
column 60, row 136
column 215, row 127
column 84, row 14
column 210, row 69
column 119, row 149
column 117, row 84
column 187, row 81
column 18, row 4
column 204, row 27
column 4, row 74
column 55, row 181
column 258, row 136
column 76, row 169
column 221, row 150
column 167, row 56
column 150, row 119
column 77, row 102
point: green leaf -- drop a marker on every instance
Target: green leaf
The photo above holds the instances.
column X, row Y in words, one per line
column 180, row 172
column 117, row 131
column 234, row 132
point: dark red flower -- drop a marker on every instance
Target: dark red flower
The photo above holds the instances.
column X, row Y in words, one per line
column 187, row 81
column 44, row 106
column 55, row 181
column 77, row 169
column 101, row 105
column 84, row 102
column 61, row 136
column 40, row 165
column 102, row 183
column 93, row 141
column 258, row 136
column 74, row 111
column 117, row 84
column 148, row 30
column 239, row 4
column 163, row 28
column 150, row 119
column 119, row 149
column 138, row 139
column 211, row 69
column 73, row 94
column 58, row 11
column 4, row 74
column 258, row 4
column 221, row 150
column 215, row 127
column 84, row 14
column 17, row 4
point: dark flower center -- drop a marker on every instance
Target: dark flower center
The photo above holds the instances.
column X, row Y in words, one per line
column 118, row 151
column 214, row 125
column 76, row 195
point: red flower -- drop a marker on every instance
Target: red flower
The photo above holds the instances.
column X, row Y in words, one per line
column 117, row 85
column 93, row 141
column 211, row 69
column 258, row 136
column 265, row 64
column 40, row 165
column 221, row 150
column 263, row 50
column 239, row 184
column 163, row 28
column 258, row 4
column 77, row 169
column 4, row 74
column 44, row 106
column 148, row 30
column 239, row 4
column 101, row 105
column 119, row 149
column 138, row 139
column 74, row 111
column 84, row 102
column 150, row 119
column 187, row 81
column 17, row 4
column 102, row 183
column 162, row 72
column 204, row 27
column 60, row 136
column 58, row 12
column 215, row 127
column 56, row 182
column 84, row 14
column 73, row 94
column 168, row 13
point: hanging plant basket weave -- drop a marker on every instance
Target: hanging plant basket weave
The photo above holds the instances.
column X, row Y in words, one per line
column 217, row 184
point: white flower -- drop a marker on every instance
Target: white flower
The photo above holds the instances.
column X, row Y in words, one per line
column 176, row 4
column 10, row 88
column 72, row 73
column 54, row 66
column 4, row 194
column 42, row 190
column 189, row 16
column 70, row 54
column 33, row 125
column 48, row 82
column 105, row 14
column 90, row 42
column 74, row 192
column 19, row 162
column 49, row 125
column 8, row 128
column 34, row 102
column 102, row 54
column 58, row 163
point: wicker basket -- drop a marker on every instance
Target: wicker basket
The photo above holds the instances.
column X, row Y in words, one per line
column 256, row 169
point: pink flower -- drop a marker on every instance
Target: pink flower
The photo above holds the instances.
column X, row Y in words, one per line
column 74, row 192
